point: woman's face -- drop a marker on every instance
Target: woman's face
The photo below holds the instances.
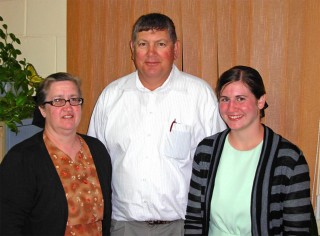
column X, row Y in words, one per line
column 67, row 117
column 238, row 106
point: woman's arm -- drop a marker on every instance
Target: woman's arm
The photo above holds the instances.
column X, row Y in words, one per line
column 297, row 208
column 195, row 213
column 17, row 187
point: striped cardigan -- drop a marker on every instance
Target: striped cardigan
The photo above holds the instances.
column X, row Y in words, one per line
column 280, row 198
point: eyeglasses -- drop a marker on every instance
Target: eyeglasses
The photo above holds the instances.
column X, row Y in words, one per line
column 60, row 102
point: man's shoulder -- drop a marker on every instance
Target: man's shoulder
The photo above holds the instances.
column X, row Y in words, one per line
column 190, row 80
column 125, row 82
column 122, row 81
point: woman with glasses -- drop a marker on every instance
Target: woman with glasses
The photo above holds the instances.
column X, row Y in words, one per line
column 57, row 182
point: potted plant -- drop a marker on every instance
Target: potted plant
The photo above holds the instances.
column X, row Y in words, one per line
column 18, row 82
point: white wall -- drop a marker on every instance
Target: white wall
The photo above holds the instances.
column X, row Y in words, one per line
column 41, row 27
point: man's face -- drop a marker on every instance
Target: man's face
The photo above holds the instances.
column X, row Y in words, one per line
column 153, row 54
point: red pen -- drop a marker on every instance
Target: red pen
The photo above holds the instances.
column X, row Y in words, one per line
column 173, row 122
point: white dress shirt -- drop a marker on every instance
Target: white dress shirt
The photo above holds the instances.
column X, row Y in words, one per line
column 151, row 137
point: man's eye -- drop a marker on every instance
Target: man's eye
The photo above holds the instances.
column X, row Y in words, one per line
column 161, row 44
column 142, row 44
column 223, row 99
column 57, row 99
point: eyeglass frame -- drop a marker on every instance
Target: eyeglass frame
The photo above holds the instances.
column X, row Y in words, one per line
column 80, row 100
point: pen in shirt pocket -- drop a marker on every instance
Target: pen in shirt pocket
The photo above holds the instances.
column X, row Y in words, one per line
column 172, row 123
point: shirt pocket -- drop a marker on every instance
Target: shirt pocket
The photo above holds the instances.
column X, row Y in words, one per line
column 177, row 142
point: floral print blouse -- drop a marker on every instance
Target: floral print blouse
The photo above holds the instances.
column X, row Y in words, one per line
column 82, row 188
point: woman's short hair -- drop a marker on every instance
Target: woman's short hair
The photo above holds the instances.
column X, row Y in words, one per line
column 44, row 87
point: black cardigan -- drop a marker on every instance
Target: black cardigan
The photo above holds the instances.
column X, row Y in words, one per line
column 32, row 198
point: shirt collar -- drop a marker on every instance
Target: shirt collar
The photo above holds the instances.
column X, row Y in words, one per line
column 174, row 81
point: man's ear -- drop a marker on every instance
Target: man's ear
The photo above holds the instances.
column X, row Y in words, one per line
column 176, row 49
column 132, row 49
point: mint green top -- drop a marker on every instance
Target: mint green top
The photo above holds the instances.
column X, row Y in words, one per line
column 231, row 199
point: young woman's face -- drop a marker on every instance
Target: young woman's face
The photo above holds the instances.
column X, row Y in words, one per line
column 67, row 117
column 238, row 106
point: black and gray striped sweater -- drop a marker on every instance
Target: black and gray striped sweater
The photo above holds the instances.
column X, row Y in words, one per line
column 280, row 198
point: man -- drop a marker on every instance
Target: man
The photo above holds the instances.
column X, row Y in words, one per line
column 151, row 122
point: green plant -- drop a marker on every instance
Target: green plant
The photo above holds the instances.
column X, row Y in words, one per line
column 16, row 91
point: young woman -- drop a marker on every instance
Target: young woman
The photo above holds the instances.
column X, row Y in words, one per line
column 247, row 180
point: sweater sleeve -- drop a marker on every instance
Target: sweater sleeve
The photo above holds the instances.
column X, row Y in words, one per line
column 17, row 188
column 194, row 215
column 195, row 223
column 297, row 205
column 201, row 184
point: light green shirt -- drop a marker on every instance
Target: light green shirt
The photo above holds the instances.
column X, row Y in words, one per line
column 231, row 199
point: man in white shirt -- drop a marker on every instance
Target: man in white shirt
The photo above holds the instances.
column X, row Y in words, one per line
column 151, row 122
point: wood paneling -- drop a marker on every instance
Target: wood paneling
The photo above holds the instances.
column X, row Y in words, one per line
column 280, row 38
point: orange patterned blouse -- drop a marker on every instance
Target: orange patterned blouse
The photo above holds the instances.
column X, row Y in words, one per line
column 82, row 187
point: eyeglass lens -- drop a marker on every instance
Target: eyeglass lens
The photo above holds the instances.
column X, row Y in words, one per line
column 59, row 102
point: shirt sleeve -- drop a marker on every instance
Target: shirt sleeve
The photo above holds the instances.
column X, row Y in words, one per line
column 208, row 109
column 99, row 118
